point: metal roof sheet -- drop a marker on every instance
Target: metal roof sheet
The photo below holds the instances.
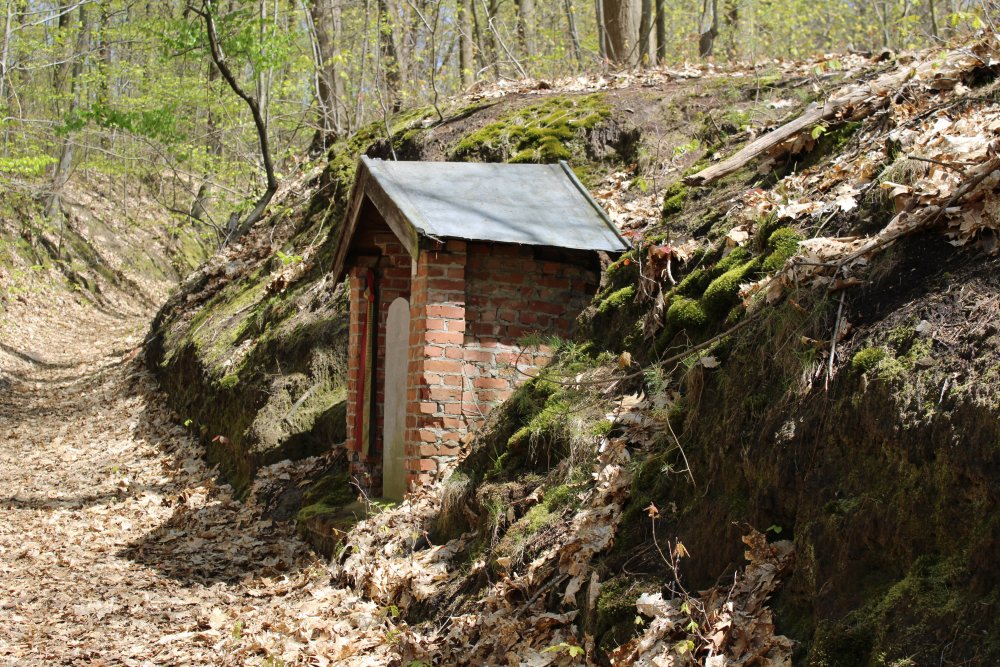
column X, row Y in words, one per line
column 531, row 204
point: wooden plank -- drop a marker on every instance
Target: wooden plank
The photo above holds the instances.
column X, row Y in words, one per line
column 398, row 223
column 361, row 177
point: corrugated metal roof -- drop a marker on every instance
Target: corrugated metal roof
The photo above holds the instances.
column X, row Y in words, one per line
column 531, row 204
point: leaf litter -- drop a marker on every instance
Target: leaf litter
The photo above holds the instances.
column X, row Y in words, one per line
column 118, row 545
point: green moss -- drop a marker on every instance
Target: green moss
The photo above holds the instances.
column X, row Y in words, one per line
column 723, row 292
column 736, row 256
column 616, row 612
column 549, row 426
column 559, row 497
column 327, row 495
column 674, row 199
column 601, row 428
column 617, row 299
column 229, row 381
column 782, row 245
column 906, row 624
column 900, row 338
column 544, row 132
column 694, row 283
column 685, row 313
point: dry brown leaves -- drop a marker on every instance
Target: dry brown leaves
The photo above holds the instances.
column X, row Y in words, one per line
column 937, row 164
column 722, row 627
column 117, row 546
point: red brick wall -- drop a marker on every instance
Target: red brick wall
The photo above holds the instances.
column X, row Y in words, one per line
column 472, row 302
column 392, row 267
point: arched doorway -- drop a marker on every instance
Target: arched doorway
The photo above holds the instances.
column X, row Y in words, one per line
column 397, row 342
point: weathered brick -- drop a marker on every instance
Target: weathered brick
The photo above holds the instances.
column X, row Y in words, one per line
column 443, row 366
column 444, row 337
column 478, row 355
column 490, row 383
column 444, row 393
column 450, row 312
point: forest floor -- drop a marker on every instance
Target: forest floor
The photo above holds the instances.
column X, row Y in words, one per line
column 117, row 546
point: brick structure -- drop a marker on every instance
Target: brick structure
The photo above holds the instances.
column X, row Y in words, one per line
column 470, row 301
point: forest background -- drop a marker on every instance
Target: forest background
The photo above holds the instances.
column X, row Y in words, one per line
column 205, row 105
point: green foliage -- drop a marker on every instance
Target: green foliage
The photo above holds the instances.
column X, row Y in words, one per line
column 27, row 165
column 868, row 359
column 572, row 650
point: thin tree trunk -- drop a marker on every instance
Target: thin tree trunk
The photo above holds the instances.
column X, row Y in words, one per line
column 325, row 16
column 709, row 28
column 574, row 34
column 465, row 55
column 64, row 168
column 389, row 55
column 492, row 50
column 202, row 199
column 645, row 28
column 661, row 32
column 602, row 30
column 5, row 49
column 732, row 18
column 526, row 26
column 932, row 10
column 219, row 58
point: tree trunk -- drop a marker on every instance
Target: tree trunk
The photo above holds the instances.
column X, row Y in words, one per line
column 8, row 29
column 602, row 31
column 574, row 34
column 202, row 199
column 526, row 26
column 709, row 28
column 465, row 55
column 645, row 29
column 219, row 58
column 64, row 168
column 491, row 48
column 732, row 19
column 388, row 55
column 661, row 32
column 326, row 16
column 621, row 22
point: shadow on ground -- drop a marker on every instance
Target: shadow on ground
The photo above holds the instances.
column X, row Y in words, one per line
column 209, row 537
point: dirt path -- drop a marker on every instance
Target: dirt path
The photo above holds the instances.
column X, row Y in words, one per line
column 117, row 546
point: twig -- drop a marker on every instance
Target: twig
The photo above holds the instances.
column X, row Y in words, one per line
column 683, row 455
column 957, row 166
column 833, row 341
column 554, row 582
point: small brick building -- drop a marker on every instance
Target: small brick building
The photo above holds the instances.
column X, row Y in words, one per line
column 450, row 266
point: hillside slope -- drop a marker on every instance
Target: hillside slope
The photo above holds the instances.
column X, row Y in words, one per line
column 800, row 351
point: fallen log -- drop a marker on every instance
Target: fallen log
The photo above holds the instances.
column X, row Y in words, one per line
column 860, row 100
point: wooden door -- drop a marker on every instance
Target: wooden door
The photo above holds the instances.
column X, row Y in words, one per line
column 397, row 342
